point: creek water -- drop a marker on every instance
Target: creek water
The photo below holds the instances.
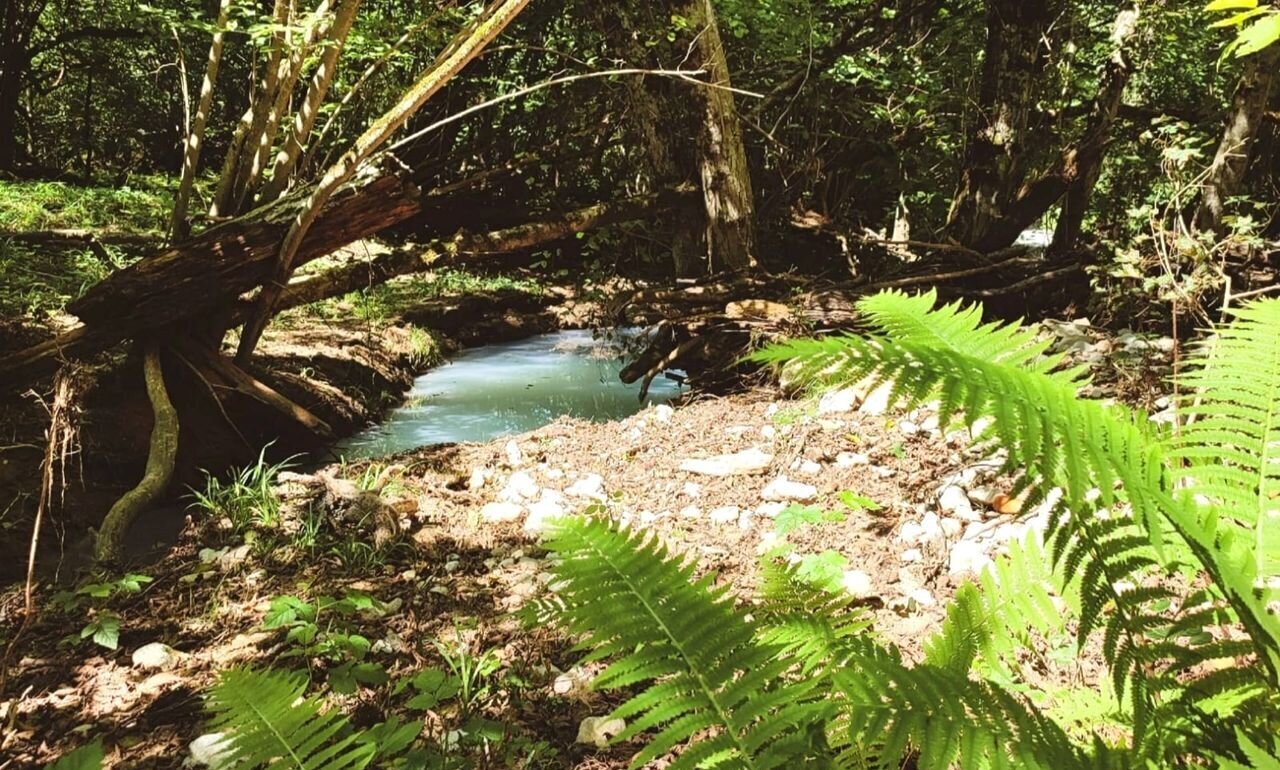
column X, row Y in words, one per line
column 508, row 388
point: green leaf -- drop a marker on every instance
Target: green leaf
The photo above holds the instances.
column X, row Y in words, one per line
column 1258, row 35
column 1230, row 5
column 84, row 758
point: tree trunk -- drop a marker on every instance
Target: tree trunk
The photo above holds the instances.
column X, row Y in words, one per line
column 303, row 122
column 253, row 120
column 722, row 158
column 17, row 22
column 995, row 160
column 160, row 461
column 203, row 278
column 1106, row 107
column 1231, row 162
column 179, row 228
column 465, row 47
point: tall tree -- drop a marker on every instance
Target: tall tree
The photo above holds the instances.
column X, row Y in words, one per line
column 722, row 158
column 179, row 227
column 19, row 22
column 995, row 161
column 461, row 51
column 1231, row 161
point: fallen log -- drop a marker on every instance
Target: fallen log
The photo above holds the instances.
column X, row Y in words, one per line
column 206, row 277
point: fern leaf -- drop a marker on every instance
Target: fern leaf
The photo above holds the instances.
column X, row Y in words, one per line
column 88, row 757
column 272, row 725
column 716, row 690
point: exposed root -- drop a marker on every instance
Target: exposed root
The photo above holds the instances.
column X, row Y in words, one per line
column 160, row 462
column 62, row 435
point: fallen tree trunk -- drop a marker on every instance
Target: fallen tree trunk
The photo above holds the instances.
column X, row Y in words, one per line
column 206, row 277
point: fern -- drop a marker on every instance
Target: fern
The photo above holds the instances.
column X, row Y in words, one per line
column 271, row 724
column 1129, row 510
column 708, row 680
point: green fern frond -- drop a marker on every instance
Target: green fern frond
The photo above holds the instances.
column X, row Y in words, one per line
column 820, row 629
column 88, row 757
column 272, row 725
column 1230, row 446
column 712, row 686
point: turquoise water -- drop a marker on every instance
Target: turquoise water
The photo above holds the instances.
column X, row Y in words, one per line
column 507, row 388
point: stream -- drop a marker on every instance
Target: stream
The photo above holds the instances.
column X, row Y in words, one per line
column 508, row 388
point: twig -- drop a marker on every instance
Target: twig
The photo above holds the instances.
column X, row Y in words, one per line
column 678, row 74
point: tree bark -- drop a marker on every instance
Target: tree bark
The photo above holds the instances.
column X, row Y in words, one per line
column 451, row 61
column 722, row 162
column 16, row 25
column 254, row 118
column 304, row 121
column 160, row 462
column 1235, row 150
column 179, row 227
column 1106, row 108
column 995, row 159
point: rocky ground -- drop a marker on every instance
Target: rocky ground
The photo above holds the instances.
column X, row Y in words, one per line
column 899, row 513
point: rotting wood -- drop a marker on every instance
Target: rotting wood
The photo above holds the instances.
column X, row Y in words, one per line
column 161, row 458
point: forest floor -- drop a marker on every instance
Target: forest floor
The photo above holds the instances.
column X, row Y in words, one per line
column 884, row 505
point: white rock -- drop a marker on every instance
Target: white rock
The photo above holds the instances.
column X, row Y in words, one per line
column 910, row 533
column 155, row 655
column 952, row 528
column 692, row 490
column 520, row 486
column 597, row 731
column 857, row 583
column 635, row 434
column 541, row 515
column 590, row 486
column 771, row 510
column 575, row 681
column 985, row 495
column 930, row 528
column 211, row 750
column 235, row 557
column 744, row 521
column 515, row 458
column 783, row 488
column 877, row 401
column 725, row 514
column 838, row 401
column 663, row 413
column 810, row 468
column 769, row 432
column 478, row 478
column 922, row 598
column 496, row 513
column 738, row 430
column 909, row 428
column 691, row 511
column 954, row 502
column 968, row 556
column 769, row 539
column 850, row 459
column 912, row 556
column 744, row 463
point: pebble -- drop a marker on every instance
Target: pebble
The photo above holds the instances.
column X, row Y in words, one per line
column 967, row 556
column 745, row 463
column 725, row 514
column 770, row 510
column 515, row 458
column 838, row 401
column 155, row 655
column 857, row 583
column 744, row 521
column 211, row 750
column 955, row 502
column 909, row 428
column 783, row 488
column 520, row 486
column 912, row 556
column 495, row 513
column 590, row 486
column 597, row 731
column 663, row 413
column 541, row 515
column 692, row 490
column 810, row 468
column 768, row 432
column 574, row 681
column 691, row 512
column 478, row 478
column 984, row 495
column 877, row 401
column 850, row 459
column 922, row 598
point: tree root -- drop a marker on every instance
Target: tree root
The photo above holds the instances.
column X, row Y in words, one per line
column 160, row 463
